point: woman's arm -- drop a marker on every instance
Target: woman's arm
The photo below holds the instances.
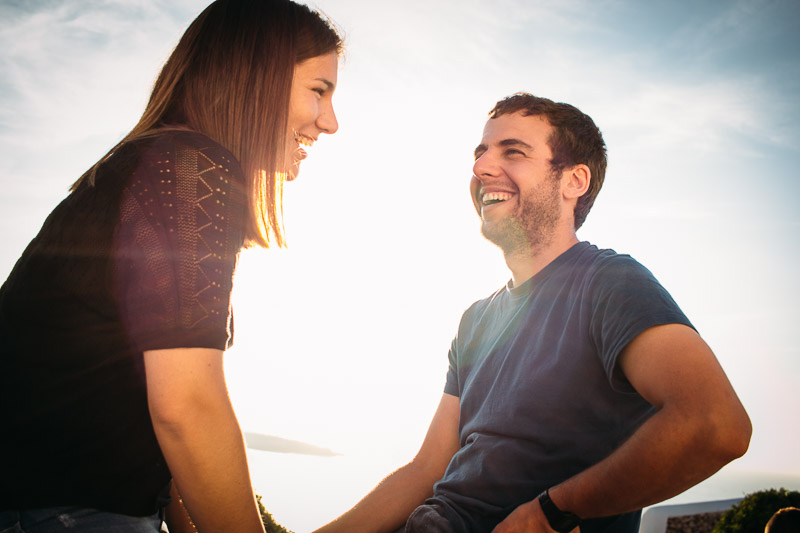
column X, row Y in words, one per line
column 200, row 438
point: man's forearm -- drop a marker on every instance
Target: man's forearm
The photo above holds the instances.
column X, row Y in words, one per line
column 389, row 504
column 700, row 426
column 663, row 458
column 669, row 453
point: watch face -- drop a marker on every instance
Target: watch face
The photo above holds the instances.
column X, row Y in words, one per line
column 566, row 524
column 561, row 521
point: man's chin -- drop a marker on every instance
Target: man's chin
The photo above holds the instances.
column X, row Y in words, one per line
column 509, row 239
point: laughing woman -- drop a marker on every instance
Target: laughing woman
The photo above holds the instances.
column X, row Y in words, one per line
column 114, row 321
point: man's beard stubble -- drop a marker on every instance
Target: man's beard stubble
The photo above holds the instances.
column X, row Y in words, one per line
column 532, row 226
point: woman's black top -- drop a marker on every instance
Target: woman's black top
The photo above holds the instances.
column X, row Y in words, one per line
column 142, row 260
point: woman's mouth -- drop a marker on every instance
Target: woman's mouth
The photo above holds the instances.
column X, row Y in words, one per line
column 303, row 142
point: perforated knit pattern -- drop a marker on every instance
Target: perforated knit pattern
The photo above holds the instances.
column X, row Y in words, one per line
column 181, row 229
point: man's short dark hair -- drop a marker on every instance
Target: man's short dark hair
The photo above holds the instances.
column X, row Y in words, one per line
column 576, row 140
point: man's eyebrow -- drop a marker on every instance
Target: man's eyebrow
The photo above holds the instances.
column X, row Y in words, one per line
column 515, row 142
column 481, row 148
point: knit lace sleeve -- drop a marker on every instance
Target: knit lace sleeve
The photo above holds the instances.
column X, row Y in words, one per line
column 180, row 231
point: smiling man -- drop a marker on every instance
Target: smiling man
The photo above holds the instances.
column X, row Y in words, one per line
column 579, row 392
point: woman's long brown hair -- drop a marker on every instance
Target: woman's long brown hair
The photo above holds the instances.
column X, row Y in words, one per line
column 230, row 78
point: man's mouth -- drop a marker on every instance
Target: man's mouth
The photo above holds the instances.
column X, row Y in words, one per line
column 492, row 198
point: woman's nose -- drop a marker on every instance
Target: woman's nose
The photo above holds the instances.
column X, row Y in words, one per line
column 327, row 120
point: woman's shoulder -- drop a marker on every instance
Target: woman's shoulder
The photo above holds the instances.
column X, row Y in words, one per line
column 188, row 138
column 181, row 147
column 184, row 160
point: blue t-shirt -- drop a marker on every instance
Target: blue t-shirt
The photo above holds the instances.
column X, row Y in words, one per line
column 542, row 397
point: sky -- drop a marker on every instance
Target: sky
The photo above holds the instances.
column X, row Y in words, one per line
column 341, row 339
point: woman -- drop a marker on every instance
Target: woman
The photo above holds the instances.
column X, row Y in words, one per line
column 114, row 320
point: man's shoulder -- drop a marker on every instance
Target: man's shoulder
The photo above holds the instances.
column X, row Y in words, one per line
column 587, row 252
column 484, row 303
column 596, row 261
column 582, row 257
column 582, row 265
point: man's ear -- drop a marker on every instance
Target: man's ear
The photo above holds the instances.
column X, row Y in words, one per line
column 576, row 181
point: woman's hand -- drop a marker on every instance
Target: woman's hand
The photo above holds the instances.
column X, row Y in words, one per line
column 175, row 515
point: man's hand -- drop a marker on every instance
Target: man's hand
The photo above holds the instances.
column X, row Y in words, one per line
column 527, row 518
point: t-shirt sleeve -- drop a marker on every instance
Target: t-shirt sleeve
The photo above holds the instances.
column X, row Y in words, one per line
column 451, row 383
column 176, row 247
column 466, row 329
column 626, row 300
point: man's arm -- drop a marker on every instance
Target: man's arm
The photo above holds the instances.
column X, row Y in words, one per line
column 388, row 505
column 700, row 426
column 200, row 438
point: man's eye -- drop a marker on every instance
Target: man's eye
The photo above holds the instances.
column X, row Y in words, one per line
column 512, row 151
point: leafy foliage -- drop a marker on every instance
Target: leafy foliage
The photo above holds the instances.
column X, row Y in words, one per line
column 752, row 513
column 269, row 523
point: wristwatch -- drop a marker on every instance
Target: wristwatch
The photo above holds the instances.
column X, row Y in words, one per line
column 561, row 521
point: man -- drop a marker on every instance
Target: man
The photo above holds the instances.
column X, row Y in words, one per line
column 577, row 394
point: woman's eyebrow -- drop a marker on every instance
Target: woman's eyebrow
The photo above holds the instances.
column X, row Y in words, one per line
column 329, row 85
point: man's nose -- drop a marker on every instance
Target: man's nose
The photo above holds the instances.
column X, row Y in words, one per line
column 485, row 166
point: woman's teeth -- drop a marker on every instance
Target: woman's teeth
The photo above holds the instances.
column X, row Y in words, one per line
column 303, row 140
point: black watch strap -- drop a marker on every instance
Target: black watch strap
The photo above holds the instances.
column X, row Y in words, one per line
column 561, row 521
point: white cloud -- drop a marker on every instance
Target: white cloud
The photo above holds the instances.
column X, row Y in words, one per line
column 66, row 67
column 707, row 116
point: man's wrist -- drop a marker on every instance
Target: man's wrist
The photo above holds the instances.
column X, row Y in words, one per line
column 561, row 521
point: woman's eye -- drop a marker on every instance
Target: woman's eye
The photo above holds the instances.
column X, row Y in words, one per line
column 320, row 92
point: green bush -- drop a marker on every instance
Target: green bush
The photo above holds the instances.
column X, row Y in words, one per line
column 752, row 513
column 269, row 523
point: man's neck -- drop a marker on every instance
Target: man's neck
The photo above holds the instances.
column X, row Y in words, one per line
column 524, row 264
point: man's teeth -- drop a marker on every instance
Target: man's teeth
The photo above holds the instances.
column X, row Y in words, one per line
column 490, row 198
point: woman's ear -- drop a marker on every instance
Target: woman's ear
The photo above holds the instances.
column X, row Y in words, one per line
column 576, row 181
